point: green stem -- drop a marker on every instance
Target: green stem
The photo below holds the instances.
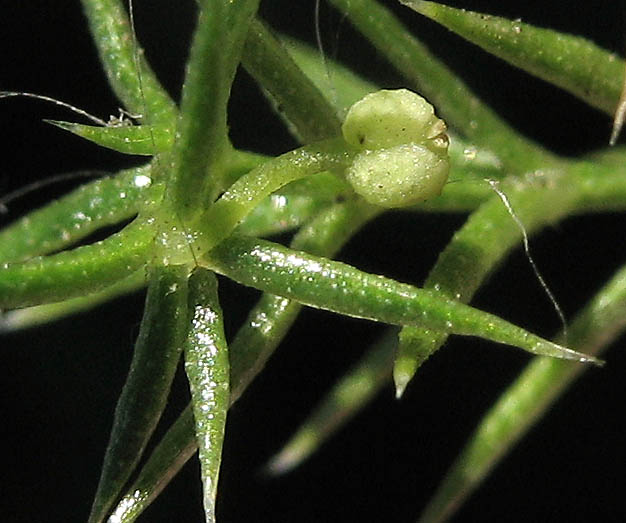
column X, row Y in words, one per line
column 310, row 117
column 337, row 83
column 247, row 192
column 202, row 135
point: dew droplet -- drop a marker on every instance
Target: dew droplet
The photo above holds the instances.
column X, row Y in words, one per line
column 469, row 153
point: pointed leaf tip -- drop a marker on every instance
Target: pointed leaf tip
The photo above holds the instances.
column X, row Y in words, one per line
column 67, row 126
column 145, row 140
column 293, row 454
column 547, row 348
column 620, row 115
column 403, row 372
column 420, row 6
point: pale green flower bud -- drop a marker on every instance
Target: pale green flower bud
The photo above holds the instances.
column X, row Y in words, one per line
column 405, row 148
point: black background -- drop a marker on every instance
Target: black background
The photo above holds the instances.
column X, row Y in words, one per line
column 59, row 383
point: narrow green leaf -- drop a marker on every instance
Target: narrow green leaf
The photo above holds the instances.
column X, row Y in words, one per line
column 344, row 400
column 337, row 287
column 202, row 133
column 528, row 398
column 84, row 270
column 40, row 314
column 145, row 392
column 456, row 103
column 61, row 223
column 573, row 63
column 254, row 343
column 127, row 70
column 145, row 140
column 207, row 368
column 308, row 115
